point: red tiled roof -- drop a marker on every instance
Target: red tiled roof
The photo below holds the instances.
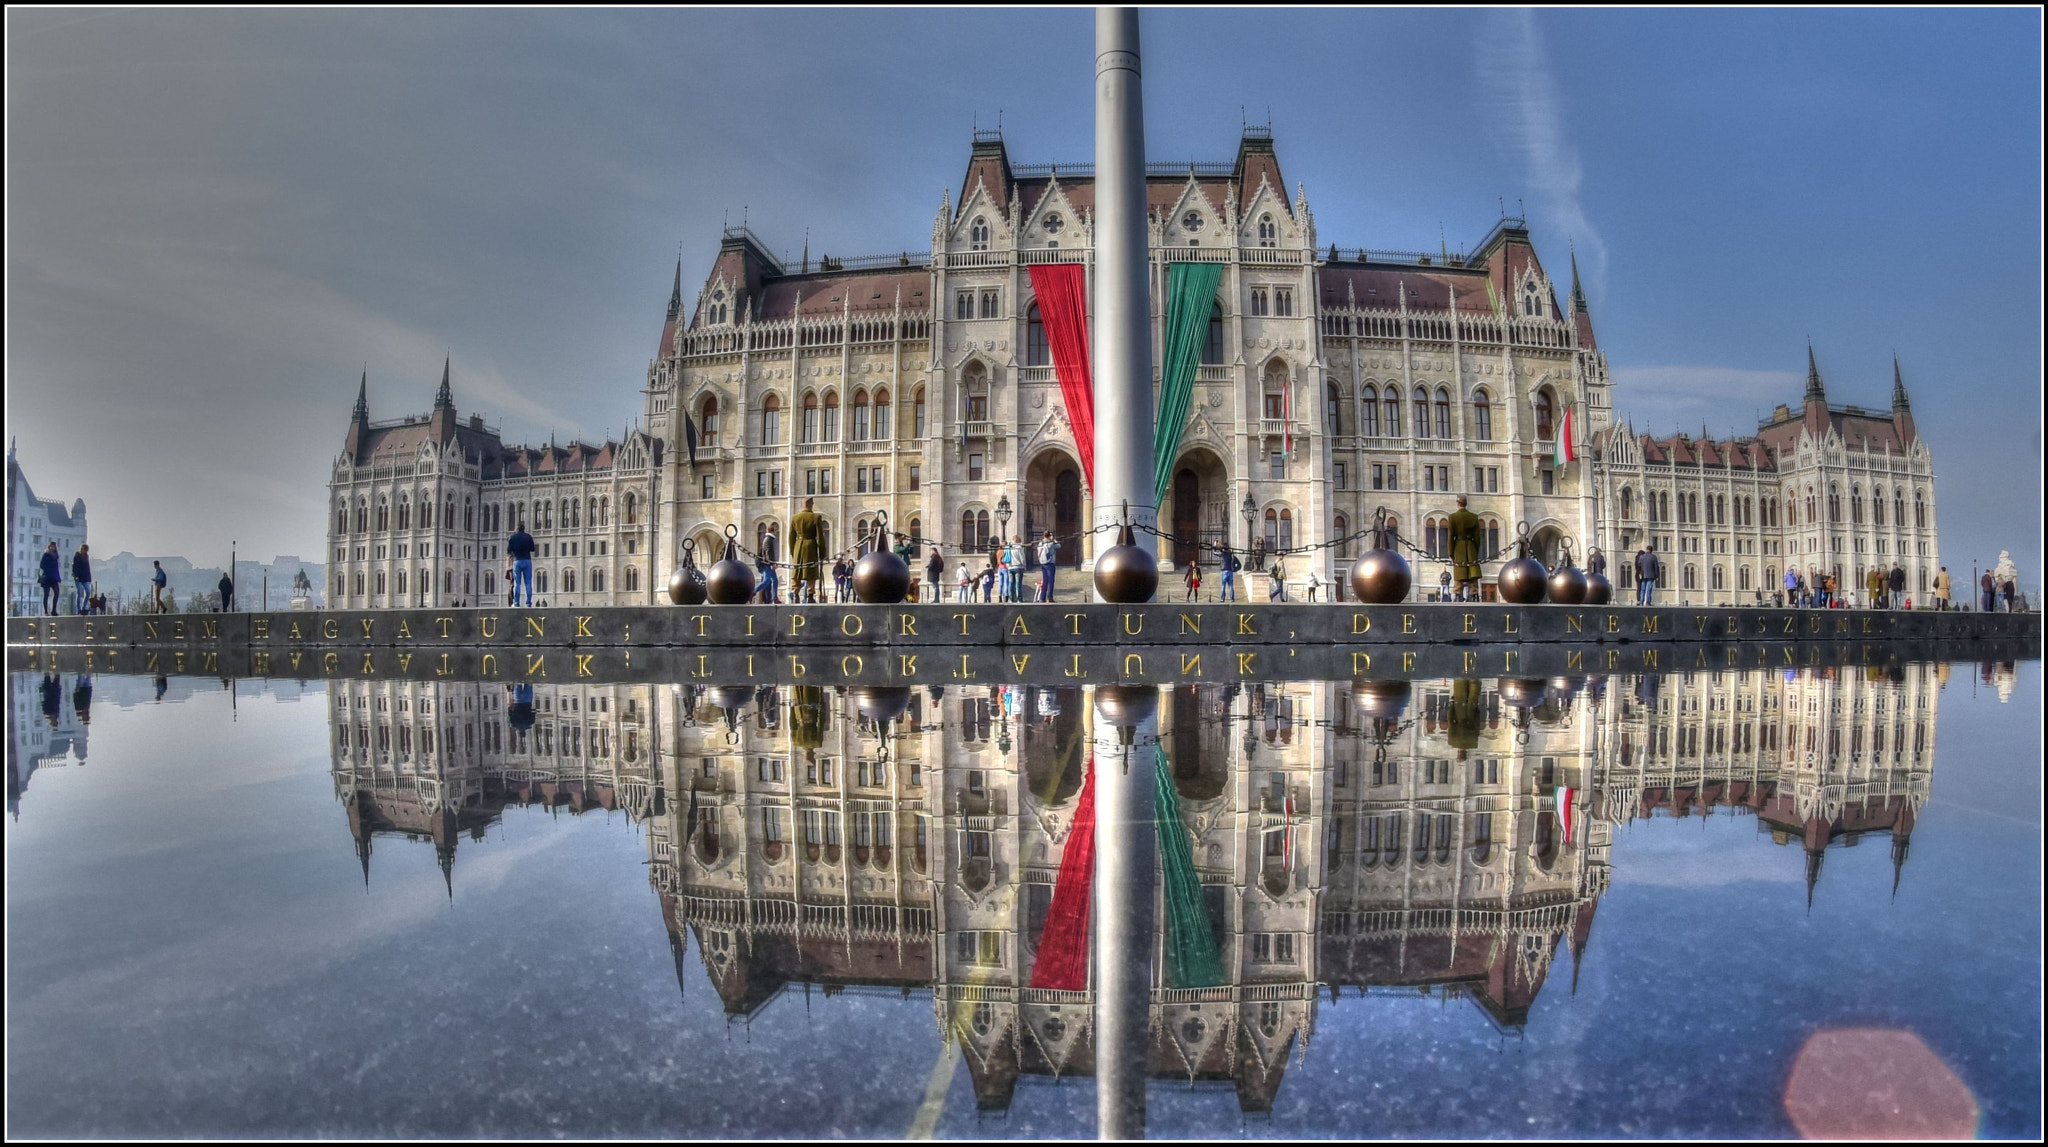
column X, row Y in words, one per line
column 1428, row 288
column 826, row 295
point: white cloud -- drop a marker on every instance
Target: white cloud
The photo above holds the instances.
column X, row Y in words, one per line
column 1660, row 399
column 1527, row 120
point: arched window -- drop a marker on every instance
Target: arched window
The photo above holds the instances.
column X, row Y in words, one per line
column 1628, row 504
column 568, row 581
column 1369, row 411
column 383, row 513
column 1212, row 350
column 1919, row 511
column 1717, row 578
column 596, row 580
column 1546, row 413
column 1742, row 577
column 1443, row 413
column 917, row 531
column 1276, row 391
column 1877, row 506
column 341, row 517
column 398, row 582
column 632, row 579
column 1280, row 529
column 1899, row 507
column 977, row 234
column 981, row 529
column 1834, row 504
column 1856, row 505
column 917, row 413
column 707, row 421
column 468, row 514
column 1390, row 411
column 1433, row 531
column 572, row 513
column 1340, row 531
column 1493, row 539
column 1532, row 300
column 1037, row 351
column 1269, row 233
column 1421, row 412
column 880, row 426
column 1334, row 403
column 1812, row 512
column 831, row 417
column 771, row 420
column 632, row 508
column 404, row 511
column 1272, row 530
column 540, row 581
column 604, row 511
column 362, row 516
column 808, row 431
column 448, row 513
column 1482, row 417
column 1692, row 576
column 974, row 392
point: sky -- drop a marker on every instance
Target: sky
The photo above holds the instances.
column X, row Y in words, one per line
column 218, row 220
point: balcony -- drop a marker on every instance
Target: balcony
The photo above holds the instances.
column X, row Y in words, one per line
column 980, row 429
column 974, row 260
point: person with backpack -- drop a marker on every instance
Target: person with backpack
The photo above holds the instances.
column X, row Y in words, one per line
column 1048, row 565
column 1228, row 590
column 157, row 581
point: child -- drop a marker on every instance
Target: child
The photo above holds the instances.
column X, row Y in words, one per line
column 1193, row 577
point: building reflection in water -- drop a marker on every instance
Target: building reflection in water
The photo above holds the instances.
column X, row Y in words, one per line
column 1447, row 837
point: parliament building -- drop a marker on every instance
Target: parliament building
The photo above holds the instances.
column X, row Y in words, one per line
column 1332, row 383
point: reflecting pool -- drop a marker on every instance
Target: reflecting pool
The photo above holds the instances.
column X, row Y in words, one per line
column 1690, row 904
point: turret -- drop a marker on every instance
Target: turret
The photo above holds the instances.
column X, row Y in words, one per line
column 442, row 423
column 1582, row 320
column 1902, row 407
column 1816, row 399
column 359, row 419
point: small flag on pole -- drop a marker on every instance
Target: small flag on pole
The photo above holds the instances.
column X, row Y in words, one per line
column 690, row 436
column 1565, row 452
column 1564, row 811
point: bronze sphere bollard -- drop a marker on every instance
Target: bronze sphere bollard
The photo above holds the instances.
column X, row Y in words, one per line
column 1521, row 579
column 1523, row 692
column 881, row 703
column 1381, row 576
column 1599, row 591
column 686, row 585
column 1382, row 700
column 1567, row 581
column 1127, row 706
column 1125, row 574
column 880, row 577
column 730, row 582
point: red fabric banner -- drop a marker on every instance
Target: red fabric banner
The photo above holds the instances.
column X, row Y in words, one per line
column 1062, row 290
column 1063, row 945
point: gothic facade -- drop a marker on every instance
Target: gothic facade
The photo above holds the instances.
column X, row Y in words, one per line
column 1333, row 383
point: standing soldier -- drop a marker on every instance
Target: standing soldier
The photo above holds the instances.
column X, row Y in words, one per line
column 805, row 553
column 1464, row 532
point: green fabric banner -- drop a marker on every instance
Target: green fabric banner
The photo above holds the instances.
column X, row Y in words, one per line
column 1191, row 957
column 1190, row 293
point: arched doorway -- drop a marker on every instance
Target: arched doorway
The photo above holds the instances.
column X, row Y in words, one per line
column 1546, row 546
column 1198, row 510
column 1052, row 501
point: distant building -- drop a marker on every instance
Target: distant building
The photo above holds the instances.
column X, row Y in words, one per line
column 32, row 524
column 47, row 718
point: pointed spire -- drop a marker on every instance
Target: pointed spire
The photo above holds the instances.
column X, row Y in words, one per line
column 1899, row 399
column 1815, row 392
column 1814, row 856
column 362, row 410
column 1578, row 292
column 675, row 294
column 1899, row 846
column 363, row 854
column 447, row 858
column 444, row 398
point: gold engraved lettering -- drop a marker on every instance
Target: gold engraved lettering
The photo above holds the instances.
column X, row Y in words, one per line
column 1649, row 659
column 488, row 667
column 1074, row 667
column 1791, row 620
column 487, row 625
column 536, row 665
column 535, row 626
column 1407, row 623
column 1509, row 619
column 750, row 624
column 962, row 619
column 1613, row 658
column 1018, row 628
column 1074, row 620
column 1361, row 661
column 1866, row 625
column 149, row 629
column 445, row 623
column 1699, row 660
column 441, row 670
column 1362, row 623
column 296, row 635
column 404, row 662
column 583, row 627
column 1130, row 657
column 1019, row 660
column 1471, row 623
column 1407, row 660
column 1571, row 624
column 796, row 624
column 88, row 631
column 1614, row 623
column 583, row 664
column 963, row 673
column 1471, row 662
column 703, row 669
column 1650, row 621
column 211, row 662
column 906, row 665
column 1128, row 618
column 1507, row 660
column 1244, row 626
column 151, row 663
column 854, row 621
column 907, row 625
column 1699, row 623
column 702, row 620
column 1575, row 658
column 328, row 662
column 260, row 663
column 1190, row 663
column 853, row 670
column 1841, row 625
column 295, row 660
column 404, row 630
column 259, row 627
column 1244, row 663
column 1190, row 623
column 750, row 663
column 178, row 629
column 796, row 666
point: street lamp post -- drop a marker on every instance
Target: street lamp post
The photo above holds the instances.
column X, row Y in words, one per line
column 1250, row 510
column 1003, row 518
column 1010, row 576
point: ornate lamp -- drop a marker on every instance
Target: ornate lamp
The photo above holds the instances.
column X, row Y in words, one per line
column 1003, row 517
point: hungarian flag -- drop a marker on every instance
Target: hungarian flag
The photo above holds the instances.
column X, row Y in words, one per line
column 1565, row 452
column 1564, row 810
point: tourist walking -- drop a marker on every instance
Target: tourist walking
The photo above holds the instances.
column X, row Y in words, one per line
column 935, row 576
column 1277, row 586
column 1228, row 590
column 1898, row 584
column 842, row 580
column 1192, row 576
column 1646, row 574
column 966, row 584
column 227, row 594
column 51, row 578
column 81, row 578
column 520, row 548
column 1048, row 565
column 1942, row 585
column 771, row 584
column 988, row 579
column 1791, row 587
column 158, row 579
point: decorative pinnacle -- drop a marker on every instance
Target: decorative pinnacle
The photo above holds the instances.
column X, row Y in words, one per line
column 362, row 409
column 1578, row 292
column 675, row 294
column 1899, row 400
column 1815, row 392
column 443, row 397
